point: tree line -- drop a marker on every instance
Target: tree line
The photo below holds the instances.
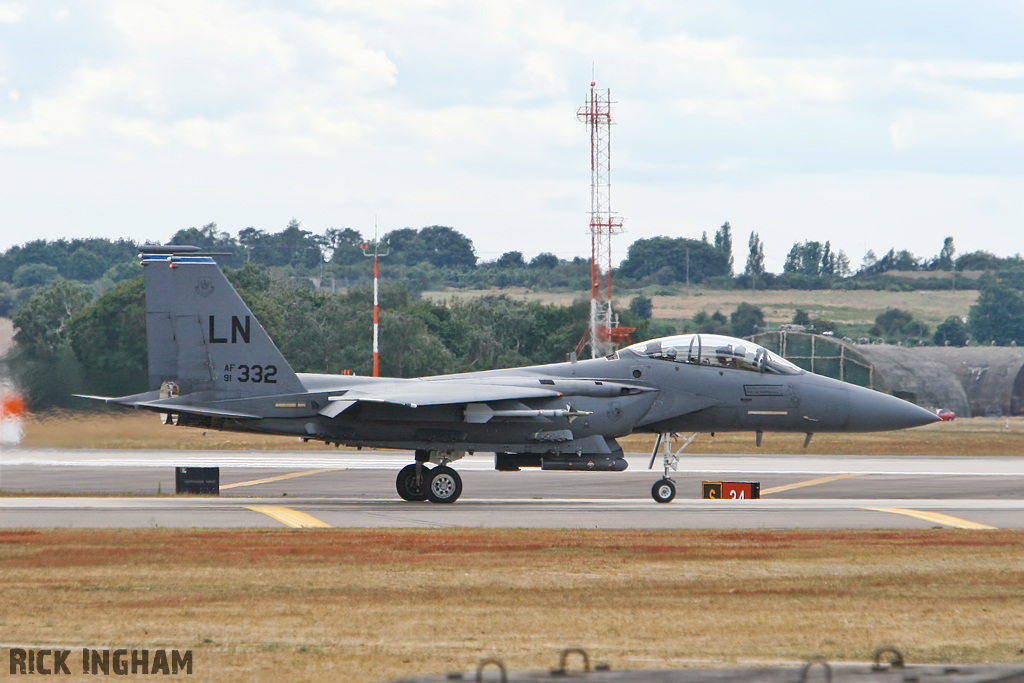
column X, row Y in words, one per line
column 437, row 256
column 69, row 341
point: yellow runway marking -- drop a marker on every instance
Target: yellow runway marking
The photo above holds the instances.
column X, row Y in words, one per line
column 935, row 517
column 293, row 518
column 280, row 478
column 811, row 482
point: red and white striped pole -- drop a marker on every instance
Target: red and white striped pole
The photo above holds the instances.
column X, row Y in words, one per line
column 376, row 319
column 376, row 308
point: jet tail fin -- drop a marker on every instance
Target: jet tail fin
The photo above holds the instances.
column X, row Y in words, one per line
column 202, row 337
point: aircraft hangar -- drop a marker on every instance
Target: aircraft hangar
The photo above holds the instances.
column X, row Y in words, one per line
column 976, row 381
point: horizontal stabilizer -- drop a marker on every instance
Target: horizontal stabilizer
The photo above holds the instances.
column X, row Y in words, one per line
column 129, row 401
column 151, row 401
column 162, row 407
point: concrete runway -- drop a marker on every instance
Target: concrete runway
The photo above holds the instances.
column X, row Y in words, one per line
column 356, row 489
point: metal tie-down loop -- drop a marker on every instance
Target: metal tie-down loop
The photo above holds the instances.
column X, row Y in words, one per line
column 562, row 670
column 807, row 670
column 484, row 663
column 895, row 662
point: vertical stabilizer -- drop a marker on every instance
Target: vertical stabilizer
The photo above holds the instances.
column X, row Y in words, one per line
column 201, row 334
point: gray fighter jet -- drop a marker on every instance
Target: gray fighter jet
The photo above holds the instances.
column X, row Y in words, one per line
column 212, row 365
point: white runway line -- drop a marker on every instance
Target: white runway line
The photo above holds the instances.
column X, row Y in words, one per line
column 688, row 504
column 702, row 464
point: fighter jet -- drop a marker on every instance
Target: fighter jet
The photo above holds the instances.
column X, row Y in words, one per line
column 212, row 365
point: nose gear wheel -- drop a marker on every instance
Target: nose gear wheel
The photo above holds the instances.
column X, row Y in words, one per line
column 664, row 491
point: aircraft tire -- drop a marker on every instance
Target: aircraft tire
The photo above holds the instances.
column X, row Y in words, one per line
column 664, row 491
column 406, row 484
column 444, row 485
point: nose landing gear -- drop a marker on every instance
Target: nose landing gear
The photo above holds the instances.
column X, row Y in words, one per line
column 664, row 490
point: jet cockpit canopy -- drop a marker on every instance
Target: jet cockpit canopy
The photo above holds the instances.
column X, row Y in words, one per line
column 715, row 350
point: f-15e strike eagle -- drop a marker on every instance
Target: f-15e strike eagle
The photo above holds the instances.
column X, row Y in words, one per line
column 212, row 365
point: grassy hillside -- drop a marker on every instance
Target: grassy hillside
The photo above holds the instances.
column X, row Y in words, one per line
column 854, row 310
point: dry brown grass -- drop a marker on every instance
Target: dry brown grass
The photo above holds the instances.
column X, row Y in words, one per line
column 848, row 307
column 143, row 430
column 975, row 436
column 369, row 605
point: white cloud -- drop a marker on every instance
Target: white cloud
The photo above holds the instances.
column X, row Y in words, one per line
column 11, row 12
column 462, row 111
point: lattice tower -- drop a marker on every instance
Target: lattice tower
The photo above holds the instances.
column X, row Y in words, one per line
column 604, row 333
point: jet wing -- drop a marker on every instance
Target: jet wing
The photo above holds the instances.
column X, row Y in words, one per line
column 433, row 392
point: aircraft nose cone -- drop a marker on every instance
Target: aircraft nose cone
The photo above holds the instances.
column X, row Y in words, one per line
column 873, row 411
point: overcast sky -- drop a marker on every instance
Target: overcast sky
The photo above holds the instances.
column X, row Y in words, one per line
column 871, row 124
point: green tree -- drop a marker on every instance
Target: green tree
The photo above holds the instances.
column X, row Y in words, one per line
column 951, row 332
column 824, row 325
column 893, row 260
column 716, row 323
column 33, row 274
column 42, row 363
column 249, row 277
column 342, row 246
column 807, row 258
column 71, row 258
column 446, row 247
column 109, row 340
column 406, row 246
column 511, row 259
column 249, row 238
column 642, row 307
column 294, row 246
column 544, row 261
column 755, row 256
column 828, row 260
column 946, row 255
column 125, row 270
column 723, row 242
column 801, row 318
column 679, row 258
column 746, row 320
column 899, row 324
column 408, row 348
column 998, row 316
column 42, row 324
column 843, row 265
column 209, row 238
column 978, row 260
column 86, row 265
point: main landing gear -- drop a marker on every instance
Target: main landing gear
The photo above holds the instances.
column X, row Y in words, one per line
column 440, row 484
column 664, row 490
